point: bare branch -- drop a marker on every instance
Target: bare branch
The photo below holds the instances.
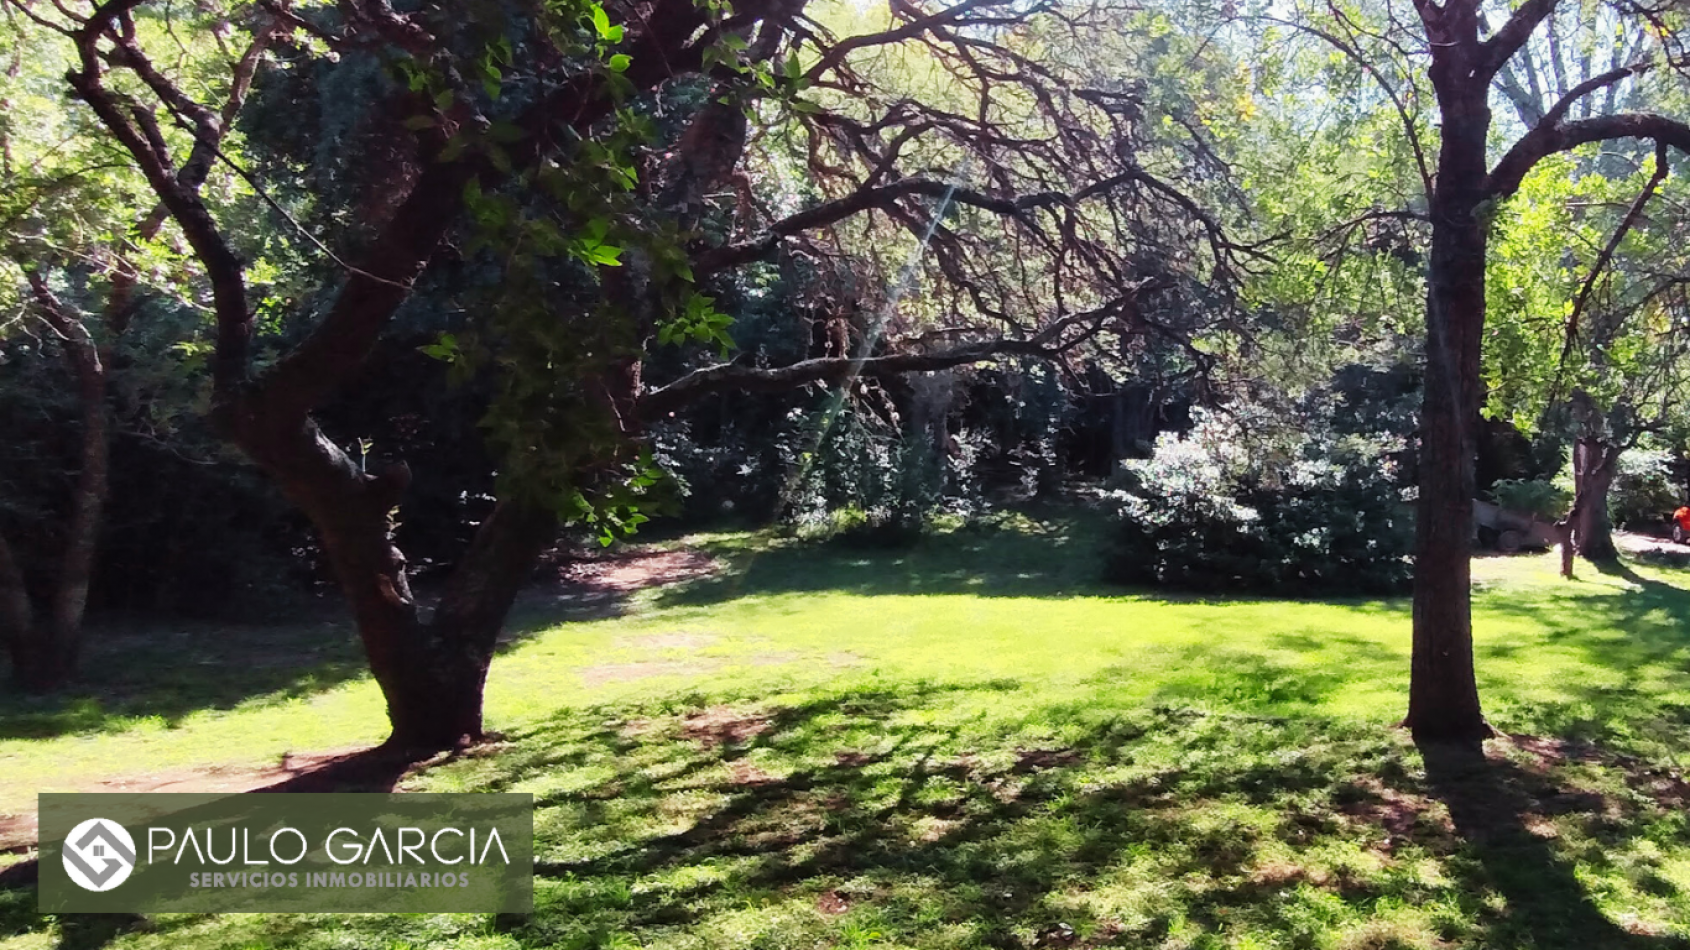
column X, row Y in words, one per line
column 1550, row 137
column 1631, row 216
column 1505, row 42
column 1049, row 343
column 1410, row 128
column 1559, row 110
column 134, row 128
column 838, row 52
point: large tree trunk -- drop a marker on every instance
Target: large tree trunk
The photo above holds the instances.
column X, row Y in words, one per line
column 431, row 672
column 1594, row 465
column 1443, row 700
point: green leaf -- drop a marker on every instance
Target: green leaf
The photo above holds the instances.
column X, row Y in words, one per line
column 619, row 62
column 417, row 123
column 443, row 100
column 446, row 349
column 504, row 131
column 601, row 21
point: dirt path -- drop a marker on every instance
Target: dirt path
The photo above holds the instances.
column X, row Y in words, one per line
column 628, row 571
column 1630, row 543
column 324, row 769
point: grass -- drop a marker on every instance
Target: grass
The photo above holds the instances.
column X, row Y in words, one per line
column 971, row 744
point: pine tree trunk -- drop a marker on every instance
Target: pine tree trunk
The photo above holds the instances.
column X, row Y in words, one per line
column 1443, row 693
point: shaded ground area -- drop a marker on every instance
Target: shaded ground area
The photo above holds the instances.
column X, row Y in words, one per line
column 631, row 570
column 335, row 770
column 1652, row 550
column 1049, row 553
column 883, row 811
column 595, row 584
column 164, row 672
column 800, row 753
column 891, row 815
column 167, row 671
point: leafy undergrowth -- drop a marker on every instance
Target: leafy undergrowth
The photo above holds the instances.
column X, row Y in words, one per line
column 914, row 815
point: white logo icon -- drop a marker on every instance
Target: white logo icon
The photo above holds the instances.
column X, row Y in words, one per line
column 99, row 854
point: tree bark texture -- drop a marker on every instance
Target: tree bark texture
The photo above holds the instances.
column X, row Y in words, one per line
column 1443, row 692
column 1595, row 463
column 431, row 672
column 1587, row 530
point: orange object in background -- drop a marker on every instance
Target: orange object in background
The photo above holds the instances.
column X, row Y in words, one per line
column 1681, row 525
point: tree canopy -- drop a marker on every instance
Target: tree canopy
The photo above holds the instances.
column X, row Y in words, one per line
column 585, row 232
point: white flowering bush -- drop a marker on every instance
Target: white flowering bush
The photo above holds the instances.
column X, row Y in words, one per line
column 1645, row 490
column 1249, row 501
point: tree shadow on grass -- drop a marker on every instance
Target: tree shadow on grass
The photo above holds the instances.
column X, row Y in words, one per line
column 169, row 671
column 1058, row 554
column 889, row 810
column 1027, row 558
column 151, row 669
column 863, row 811
column 1243, row 679
column 370, row 770
column 1490, row 801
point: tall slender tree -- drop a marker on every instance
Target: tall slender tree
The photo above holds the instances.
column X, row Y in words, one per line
column 1466, row 64
column 49, row 242
column 1438, row 68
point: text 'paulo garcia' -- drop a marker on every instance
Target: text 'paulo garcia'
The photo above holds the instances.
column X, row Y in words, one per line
column 287, row 845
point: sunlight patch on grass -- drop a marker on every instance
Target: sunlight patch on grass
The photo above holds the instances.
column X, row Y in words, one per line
column 1011, row 755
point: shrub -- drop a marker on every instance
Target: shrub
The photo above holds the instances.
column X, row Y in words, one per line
column 1248, row 502
column 1644, row 491
column 1532, row 496
column 877, row 530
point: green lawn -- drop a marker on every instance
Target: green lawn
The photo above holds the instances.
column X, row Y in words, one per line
column 972, row 744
